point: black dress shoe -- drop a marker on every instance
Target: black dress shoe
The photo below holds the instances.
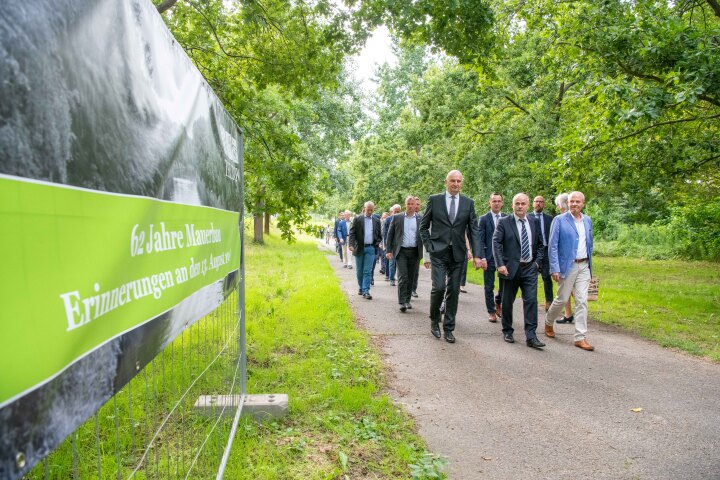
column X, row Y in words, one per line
column 565, row 319
column 449, row 337
column 367, row 296
column 409, row 307
column 508, row 337
column 435, row 330
column 535, row 343
column 414, row 294
column 360, row 292
column 372, row 281
column 403, row 307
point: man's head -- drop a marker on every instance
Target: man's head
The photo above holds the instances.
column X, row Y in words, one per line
column 409, row 205
column 539, row 204
column 368, row 208
column 561, row 202
column 348, row 214
column 417, row 204
column 496, row 202
column 520, row 204
column 576, row 202
column 395, row 209
column 453, row 182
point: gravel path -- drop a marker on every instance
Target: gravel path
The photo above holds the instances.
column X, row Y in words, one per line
column 506, row 411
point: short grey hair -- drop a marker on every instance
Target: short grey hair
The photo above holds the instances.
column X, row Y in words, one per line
column 561, row 201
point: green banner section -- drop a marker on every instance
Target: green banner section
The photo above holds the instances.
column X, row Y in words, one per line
column 80, row 267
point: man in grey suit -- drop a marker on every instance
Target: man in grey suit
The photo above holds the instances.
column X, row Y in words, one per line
column 488, row 223
column 404, row 245
column 442, row 229
column 517, row 246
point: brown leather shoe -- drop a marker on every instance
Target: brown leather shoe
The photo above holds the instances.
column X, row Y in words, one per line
column 584, row 345
column 492, row 318
column 498, row 310
column 549, row 332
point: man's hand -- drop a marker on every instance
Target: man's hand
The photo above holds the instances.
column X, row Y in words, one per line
column 427, row 265
column 556, row 276
column 351, row 249
column 477, row 262
column 503, row 270
column 389, row 255
column 342, row 242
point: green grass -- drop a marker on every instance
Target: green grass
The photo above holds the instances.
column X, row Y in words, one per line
column 674, row 303
column 302, row 341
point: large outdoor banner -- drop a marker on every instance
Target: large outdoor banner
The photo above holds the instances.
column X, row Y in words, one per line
column 120, row 207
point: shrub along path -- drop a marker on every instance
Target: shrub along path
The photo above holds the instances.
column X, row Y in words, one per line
column 628, row 410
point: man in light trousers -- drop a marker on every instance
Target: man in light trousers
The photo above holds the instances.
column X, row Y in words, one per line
column 570, row 249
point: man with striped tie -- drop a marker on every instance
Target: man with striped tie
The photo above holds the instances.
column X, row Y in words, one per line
column 517, row 247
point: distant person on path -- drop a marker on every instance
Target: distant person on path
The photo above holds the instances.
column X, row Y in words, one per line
column 517, row 246
column 383, row 247
column 488, row 223
column 544, row 220
column 390, row 271
column 570, row 248
column 416, row 278
column 347, row 218
column 364, row 239
column 561, row 202
column 404, row 245
column 442, row 229
column 328, row 234
column 341, row 235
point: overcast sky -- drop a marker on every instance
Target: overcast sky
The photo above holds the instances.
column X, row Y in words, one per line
column 376, row 52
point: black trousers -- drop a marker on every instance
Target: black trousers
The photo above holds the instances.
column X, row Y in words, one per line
column 417, row 275
column 547, row 278
column 526, row 280
column 445, row 267
column 489, row 281
column 405, row 262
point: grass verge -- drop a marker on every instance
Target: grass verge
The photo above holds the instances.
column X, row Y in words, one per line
column 302, row 341
column 674, row 303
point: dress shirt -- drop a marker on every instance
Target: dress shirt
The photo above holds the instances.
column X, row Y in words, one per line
column 518, row 224
column 409, row 231
column 368, row 230
column 582, row 240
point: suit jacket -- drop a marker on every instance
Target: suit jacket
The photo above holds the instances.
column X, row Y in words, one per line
column 506, row 244
column 397, row 230
column 487, row 229
column 357, row 234
column 547, row 221
column 563, row 243
column 444, row 233
column 340, row 230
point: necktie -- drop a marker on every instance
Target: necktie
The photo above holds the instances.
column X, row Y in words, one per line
column 497, row 219
column 524, row 243
column 452, row 209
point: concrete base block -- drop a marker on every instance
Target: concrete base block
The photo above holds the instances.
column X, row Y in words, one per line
column 260, row 407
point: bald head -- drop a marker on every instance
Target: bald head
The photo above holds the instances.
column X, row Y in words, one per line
column 520, row 204
column 368, row 208
column 453, row 182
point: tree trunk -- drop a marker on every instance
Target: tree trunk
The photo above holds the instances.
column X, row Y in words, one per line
column 166, row 5
column 267, row 223
column 258, row 222
column 715, row 6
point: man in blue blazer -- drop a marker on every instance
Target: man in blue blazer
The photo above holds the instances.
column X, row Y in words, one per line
column 488, row 223
column 570, row 249
column 341, row 237
column 447, row 217
column 517, row 246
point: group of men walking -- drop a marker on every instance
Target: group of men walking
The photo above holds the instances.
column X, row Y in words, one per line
column 517, row 247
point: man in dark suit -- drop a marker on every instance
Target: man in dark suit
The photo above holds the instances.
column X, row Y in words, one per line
column 516, row 246
column 363, row 239
column 544, row 221
column 404, row 245
column 488, row 223
column 442, row 229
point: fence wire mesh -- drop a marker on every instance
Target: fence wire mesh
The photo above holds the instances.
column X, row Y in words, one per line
column 151, row 429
